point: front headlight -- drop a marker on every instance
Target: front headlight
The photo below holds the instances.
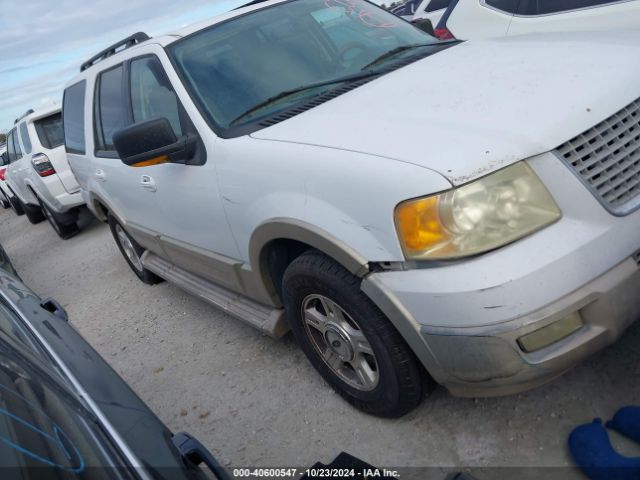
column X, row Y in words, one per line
column 475, row 218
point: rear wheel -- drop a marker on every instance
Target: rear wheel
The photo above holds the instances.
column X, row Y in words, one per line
column 16, row 205
column 34, row 213
column 64, row 224
column 132, row 252
column 348, row 339
column 4, row 200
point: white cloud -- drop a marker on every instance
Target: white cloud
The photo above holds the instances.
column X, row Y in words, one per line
column 43, row 46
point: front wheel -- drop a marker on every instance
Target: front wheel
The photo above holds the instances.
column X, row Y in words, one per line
column 348, row 339
column 132, row 252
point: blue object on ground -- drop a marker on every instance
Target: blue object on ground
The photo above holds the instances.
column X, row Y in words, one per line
column 627, row 422
column 591, row 448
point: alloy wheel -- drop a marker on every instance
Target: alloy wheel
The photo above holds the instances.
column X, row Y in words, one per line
column 340, row 342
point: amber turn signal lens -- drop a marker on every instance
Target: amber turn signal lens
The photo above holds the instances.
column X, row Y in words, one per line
column 420, row 225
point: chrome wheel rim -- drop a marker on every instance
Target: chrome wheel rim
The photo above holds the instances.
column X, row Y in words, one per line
column 128, row 248
column 340, row 342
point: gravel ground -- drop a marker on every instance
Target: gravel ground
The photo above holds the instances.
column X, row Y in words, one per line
column 257, row 402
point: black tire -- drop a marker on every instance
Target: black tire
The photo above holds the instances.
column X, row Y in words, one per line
column 147, row 276
column 16, row 205
column 400, row 383
column 33, row 212
column 4, row 200
column 64, row 224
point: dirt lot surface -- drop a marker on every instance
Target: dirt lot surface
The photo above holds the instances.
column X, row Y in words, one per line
column 257, row 402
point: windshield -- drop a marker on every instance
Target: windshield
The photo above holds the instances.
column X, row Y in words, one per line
column 237, row 65
column 50, row 131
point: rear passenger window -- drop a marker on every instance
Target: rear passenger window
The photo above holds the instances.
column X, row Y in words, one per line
column 109, row 112
column 16, row 146
column 508, row 6
column 152, row 95
column 73, row 113
column 435, row 5
column 544, row 7
column 26, row 141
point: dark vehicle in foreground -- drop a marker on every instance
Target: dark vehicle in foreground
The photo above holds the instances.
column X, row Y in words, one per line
column 64, row 413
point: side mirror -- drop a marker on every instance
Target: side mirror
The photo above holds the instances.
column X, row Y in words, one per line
column 153, row 142
column 425, row 25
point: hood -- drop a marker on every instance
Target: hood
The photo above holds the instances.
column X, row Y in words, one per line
column 479, row 106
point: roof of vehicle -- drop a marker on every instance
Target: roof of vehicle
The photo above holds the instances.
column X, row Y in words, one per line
column 40, row 113
column 171, row 37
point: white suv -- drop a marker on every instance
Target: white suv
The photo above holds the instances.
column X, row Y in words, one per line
column 38, row 173
column 4, row 161
column 329, row 163
column 475, row 19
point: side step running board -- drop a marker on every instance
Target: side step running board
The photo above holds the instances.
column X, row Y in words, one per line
column 269, row 320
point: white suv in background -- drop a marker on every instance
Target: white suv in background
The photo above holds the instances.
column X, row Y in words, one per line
column 474, row 19
column 38, row 173
column 273, row 162
column 4, row 161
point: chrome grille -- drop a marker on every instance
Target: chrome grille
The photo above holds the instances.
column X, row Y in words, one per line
column 607, row 159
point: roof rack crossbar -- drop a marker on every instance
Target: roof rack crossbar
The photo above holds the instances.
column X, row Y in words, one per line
column 128, row 42
column 25, row 114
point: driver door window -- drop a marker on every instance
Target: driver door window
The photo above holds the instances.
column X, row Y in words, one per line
column 152, row 95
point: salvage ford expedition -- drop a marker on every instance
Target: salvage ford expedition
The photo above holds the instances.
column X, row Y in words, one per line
column 414, row 211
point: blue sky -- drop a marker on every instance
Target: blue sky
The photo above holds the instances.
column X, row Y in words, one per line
column 43, row 42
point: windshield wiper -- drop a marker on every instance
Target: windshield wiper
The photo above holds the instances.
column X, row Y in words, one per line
column 394, row 52
column 293, row 91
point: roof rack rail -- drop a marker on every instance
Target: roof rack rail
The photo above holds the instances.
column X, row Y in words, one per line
column 128, row 42
column 28, row 112
column 250, row 3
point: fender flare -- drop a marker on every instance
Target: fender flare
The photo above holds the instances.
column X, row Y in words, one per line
column 300, row 231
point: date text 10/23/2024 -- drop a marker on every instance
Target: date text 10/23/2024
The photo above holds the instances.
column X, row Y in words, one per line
column 313, row 473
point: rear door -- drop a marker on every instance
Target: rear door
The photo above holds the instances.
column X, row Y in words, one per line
column 73, row 120
column 575, row 15
column 15, row 165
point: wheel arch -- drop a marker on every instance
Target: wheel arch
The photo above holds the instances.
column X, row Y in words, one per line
column 276, row 243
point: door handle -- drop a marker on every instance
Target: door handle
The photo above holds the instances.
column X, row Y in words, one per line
column 148, row 183
column 100, row 176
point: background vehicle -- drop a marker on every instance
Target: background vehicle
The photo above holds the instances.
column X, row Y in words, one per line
column 38, row 173
column 473, row 19
column 65, row 413
column 406, row 9
column 316, row 208
column 431, row 10
column 4, row 161
column 7, row 196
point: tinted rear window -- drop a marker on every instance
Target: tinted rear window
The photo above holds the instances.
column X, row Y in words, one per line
column 509, row 6
column 73, row 118
column 50, row 131
column 544, row 7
